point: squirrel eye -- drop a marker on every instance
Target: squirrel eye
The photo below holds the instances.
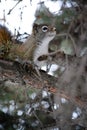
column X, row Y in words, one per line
column 44, row 28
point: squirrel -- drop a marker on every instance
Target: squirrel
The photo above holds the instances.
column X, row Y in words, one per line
column 34, row 48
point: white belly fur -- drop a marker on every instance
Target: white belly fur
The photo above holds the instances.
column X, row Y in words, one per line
column 42, row 49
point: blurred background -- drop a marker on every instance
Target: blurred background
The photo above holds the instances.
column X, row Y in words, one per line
column 59, row 102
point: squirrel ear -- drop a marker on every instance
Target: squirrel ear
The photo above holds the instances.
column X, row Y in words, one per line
column 35, row 25
column 35, row 28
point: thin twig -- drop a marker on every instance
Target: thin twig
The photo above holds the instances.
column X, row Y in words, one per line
column 14, row 7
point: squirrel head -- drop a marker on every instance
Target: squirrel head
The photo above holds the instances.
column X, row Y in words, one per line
column 44, row 31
